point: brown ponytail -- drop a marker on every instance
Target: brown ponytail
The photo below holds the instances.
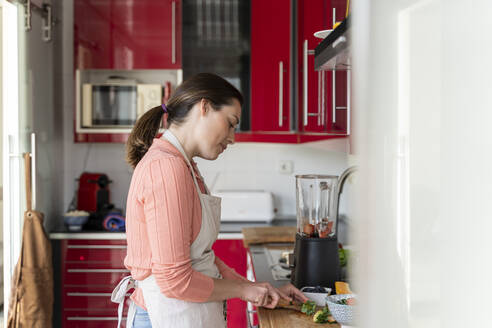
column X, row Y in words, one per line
column 207, row 86
column 142, row 135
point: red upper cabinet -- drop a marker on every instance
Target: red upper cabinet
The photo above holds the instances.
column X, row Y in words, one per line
column 270, row 65
column 125, row 35
column 317, row 95
column 313, row 95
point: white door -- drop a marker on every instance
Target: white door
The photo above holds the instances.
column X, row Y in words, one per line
column 28, row 122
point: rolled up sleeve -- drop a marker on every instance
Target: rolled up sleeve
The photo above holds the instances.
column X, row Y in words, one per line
column 227, row 272
column 168, row 205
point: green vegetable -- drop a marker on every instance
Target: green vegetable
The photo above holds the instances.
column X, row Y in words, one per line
column 322, row 316
column 342, row 257
column 309, row 307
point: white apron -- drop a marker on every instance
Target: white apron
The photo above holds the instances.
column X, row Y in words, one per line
column 165, row 312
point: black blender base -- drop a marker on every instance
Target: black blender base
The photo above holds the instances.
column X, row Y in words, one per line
column 316, row 262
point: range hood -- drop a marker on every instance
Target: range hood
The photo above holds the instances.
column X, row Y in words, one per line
column 333, row 53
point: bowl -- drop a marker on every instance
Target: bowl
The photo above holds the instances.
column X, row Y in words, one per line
column 318, row 298
column 322, row 34
column 342, row 313
column 75, row 220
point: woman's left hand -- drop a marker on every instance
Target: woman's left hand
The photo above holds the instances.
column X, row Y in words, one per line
column 293, row 292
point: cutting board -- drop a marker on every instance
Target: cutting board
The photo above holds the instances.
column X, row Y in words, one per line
column 263, row 235
column 285, row 318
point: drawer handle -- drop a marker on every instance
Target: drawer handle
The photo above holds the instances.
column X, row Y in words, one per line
column 93, row 318
column 97, row 246
column 92, row 294
column 99, row 270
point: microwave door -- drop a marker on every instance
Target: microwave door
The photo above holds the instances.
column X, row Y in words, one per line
column 114, row 105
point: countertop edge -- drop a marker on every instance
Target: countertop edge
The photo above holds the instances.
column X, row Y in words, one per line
column 122, row 235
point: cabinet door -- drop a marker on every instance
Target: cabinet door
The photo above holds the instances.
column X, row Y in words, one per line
column 270, row 65
column 322, row 107
column 117, row 34
column 233, row 253
column 312, row 16
column 340, row 92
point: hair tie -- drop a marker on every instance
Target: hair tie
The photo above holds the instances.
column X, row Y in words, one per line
column 164, row 108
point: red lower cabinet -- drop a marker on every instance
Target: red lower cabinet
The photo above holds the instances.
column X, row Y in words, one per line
column 233, row 253
column 90, row 269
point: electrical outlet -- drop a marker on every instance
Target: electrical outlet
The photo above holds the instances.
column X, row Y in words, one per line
column 285, row 167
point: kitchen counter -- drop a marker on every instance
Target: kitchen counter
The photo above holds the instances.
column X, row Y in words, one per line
column 228, row 230
column 277, row 318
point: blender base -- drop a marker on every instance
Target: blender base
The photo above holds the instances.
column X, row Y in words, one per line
column 316, row 262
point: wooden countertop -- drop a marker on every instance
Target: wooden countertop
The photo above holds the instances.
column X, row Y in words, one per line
column 264, row 235
column 285, row 318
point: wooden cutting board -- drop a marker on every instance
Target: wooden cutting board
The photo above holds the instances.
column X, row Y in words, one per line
column 263, row 235
column 285, row 318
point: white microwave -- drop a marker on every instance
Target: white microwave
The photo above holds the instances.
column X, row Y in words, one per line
column 117, row 104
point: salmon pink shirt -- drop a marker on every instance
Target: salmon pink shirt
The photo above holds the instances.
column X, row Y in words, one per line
column 163, row 218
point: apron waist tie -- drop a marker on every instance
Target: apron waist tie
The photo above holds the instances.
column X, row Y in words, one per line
column 119, row 295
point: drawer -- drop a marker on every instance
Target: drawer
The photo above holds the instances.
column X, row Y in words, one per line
column 94, row 277
column 87, row 253
column 91, row 303
column 74, row 321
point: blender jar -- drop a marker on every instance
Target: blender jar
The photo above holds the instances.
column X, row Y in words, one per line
column 315, row 195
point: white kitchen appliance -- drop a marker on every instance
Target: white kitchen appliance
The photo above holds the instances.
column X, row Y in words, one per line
column 117, row 103
column 240, row 206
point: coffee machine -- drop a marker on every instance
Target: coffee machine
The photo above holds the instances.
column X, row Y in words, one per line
column 316, row 261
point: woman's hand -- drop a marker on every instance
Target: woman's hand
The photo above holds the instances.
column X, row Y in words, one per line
column 262, row 294
column 293, row 292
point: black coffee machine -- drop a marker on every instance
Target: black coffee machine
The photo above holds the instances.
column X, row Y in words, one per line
column 316, row 261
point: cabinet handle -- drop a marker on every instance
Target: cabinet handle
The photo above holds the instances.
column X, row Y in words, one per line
column 305, row 81
column 323, row 97
column 334, row 95
column 93, row 318
column 348, row 101
column 93, row 294
column 280, row 93
column 250, row 313
column 97, row 246
column 173, row 32
column 305, row 53
column 98, row 270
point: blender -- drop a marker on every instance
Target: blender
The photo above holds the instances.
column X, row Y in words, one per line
column 316, row 261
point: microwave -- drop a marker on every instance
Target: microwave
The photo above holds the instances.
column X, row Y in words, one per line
column 117, row 105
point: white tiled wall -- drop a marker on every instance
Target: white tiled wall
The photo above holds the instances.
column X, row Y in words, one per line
column 246, row 166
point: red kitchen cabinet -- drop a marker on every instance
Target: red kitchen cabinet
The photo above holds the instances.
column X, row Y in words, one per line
column 90, row 269
column 123, row 35
column 233, row 253
column 270, row 65
column 322, row 104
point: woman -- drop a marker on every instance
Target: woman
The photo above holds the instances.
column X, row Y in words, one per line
column 173, row 221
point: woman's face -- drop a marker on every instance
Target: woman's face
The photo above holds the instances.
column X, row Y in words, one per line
column 215, row 130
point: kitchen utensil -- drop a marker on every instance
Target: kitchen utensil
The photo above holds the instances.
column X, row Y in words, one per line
column 342, row 313
column 318, row 298
column 93, row 192
column 75, row 220
column 316, row 258
column 322, row 34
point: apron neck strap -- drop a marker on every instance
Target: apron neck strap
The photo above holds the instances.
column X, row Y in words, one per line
column 175, row 142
